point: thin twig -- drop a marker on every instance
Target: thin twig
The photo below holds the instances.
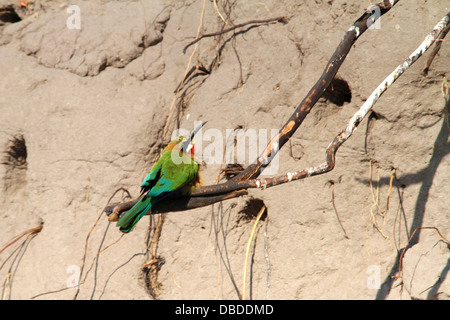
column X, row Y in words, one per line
column 223, row 253
column 89, row 235
column 375, row 202
column 391, row 180
column 250, row 240
column 400, row 260
column 15, row 239
column 336, row 212
column 435, row 50
column 446, row 94
column 98, row 254
column 10, row 274
column 216, row 8
column 240, row 25
column 151, row 267
column 266, row 256
column 185, row 73
column 50, row 292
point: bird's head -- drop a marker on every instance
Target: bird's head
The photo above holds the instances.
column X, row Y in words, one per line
column 187, row 143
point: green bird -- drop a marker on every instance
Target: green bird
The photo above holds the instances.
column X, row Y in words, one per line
column 176, row 171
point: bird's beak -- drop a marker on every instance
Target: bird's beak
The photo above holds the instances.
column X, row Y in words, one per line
column 194, row 132
column 186, row 144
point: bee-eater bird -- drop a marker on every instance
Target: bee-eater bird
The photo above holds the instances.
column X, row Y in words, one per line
column 176, row 171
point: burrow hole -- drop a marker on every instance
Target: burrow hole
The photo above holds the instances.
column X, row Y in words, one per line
column 15, row 162
column 8, row 15
column 338, row 92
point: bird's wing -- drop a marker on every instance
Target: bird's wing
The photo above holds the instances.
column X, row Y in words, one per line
column 173, row 177
column 152, row 177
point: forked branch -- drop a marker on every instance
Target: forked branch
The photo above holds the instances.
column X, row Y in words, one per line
column 248, row 178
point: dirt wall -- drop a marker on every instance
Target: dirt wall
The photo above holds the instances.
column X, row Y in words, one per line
column 83, row 108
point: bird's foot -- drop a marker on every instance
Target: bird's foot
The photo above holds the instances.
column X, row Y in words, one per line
column 113, row 217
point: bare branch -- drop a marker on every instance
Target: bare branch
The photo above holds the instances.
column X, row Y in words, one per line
column 353, row 33
column 332, row 148
column 248, row 178
column 114, row 210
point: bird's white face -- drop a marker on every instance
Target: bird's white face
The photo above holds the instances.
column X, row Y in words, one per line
column 190, row 146
column 187, row 143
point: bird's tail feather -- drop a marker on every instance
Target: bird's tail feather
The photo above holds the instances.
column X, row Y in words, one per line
column 127, row 222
